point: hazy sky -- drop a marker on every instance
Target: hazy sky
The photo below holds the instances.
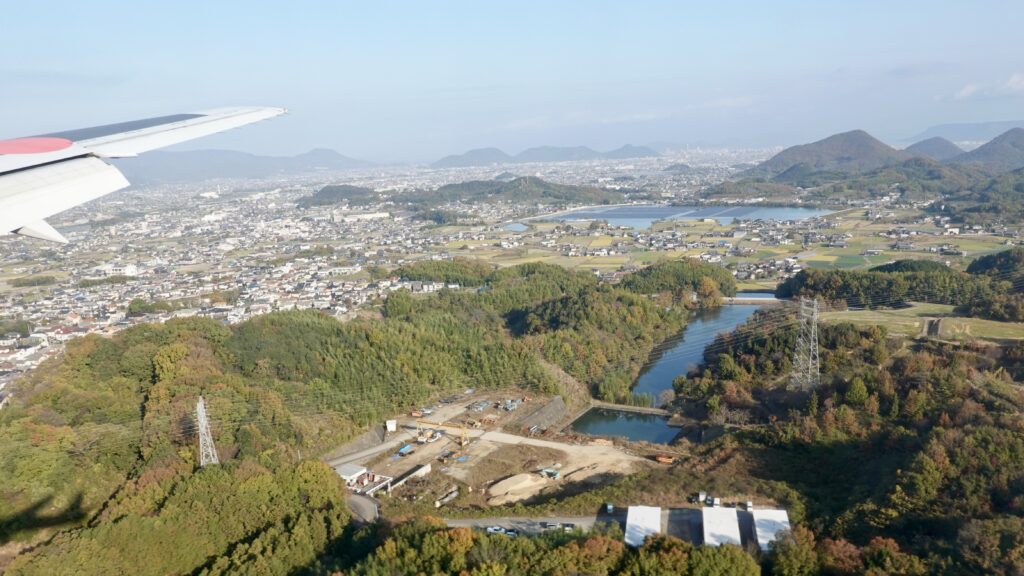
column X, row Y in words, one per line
column 412, row 81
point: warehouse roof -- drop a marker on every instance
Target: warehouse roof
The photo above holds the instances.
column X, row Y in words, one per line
column 721, row 526
column 350, row 472
column 767, row 525
column 641, row 522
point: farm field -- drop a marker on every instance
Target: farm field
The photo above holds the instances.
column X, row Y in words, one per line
column 913, row 321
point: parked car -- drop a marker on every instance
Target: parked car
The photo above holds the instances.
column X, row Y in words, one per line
column 495, row 530
column 512, row 533
column 609, row 508
column 568, row 527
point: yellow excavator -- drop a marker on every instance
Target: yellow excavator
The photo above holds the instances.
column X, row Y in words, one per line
column 463, row 431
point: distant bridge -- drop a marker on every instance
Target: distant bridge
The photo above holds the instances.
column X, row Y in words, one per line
column 760, row 301
column 628, row 408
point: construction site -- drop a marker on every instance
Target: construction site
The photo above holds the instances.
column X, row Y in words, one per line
column 484, row 449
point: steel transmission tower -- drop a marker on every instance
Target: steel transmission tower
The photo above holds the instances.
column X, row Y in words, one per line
column 207, row 451
column 806, row 370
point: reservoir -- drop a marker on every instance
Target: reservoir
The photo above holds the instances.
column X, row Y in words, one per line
column 642, row 216
column 674, row 358
column 679, row 355
column 619, row 423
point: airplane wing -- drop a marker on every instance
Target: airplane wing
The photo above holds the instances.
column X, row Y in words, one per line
column 43, row 175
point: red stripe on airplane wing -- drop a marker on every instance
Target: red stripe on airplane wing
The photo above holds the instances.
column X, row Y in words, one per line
column 38, row 145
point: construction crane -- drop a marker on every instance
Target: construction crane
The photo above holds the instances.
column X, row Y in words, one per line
column 463, row 431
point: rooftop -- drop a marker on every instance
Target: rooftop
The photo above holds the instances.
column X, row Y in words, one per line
column 767, row 525
column 642, row 521
column 350, row 472
column 721, row 526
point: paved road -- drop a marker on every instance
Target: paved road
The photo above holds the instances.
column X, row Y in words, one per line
column 532, row 525
column 364, row 507
column 396, row 441
column 684, row 523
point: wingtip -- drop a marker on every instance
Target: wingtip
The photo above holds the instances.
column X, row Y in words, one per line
column 41, row 230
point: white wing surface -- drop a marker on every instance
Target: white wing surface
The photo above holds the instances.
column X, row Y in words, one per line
column 43, row 175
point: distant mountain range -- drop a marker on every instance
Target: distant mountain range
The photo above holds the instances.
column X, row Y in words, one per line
column 857, row 152
column 969, row 131
column 196, row 165
column 981, row 186
column 490, row 156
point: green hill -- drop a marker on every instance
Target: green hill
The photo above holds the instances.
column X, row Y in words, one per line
column 913, row 266
column 1003, row 154
column 529, row 189
column 999, row 199
column 915, row 179
column 854, row 151
column 630, row 151
column 557, row 154
column 936, row 148
column 336, row 194
column 477, row 157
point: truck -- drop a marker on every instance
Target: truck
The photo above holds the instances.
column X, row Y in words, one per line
column 406, row 450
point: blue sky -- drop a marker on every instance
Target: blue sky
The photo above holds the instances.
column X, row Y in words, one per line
column 412, row 81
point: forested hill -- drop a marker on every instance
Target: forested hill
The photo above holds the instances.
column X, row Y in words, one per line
column 855, row 166
column 1002, row 154
column 854, row 151
column 880, row 289
column 999, row 199
column 936, row 148
column 102, row 442
column 337, row 194
column 528, row 189
column 992, row 287
column 915, row 179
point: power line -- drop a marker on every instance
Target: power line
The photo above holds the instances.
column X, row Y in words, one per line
column 308, row 407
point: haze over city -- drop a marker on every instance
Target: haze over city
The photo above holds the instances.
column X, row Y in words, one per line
column 512, row 288
column 411, row 82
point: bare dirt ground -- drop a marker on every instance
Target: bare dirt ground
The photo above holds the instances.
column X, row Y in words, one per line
column 578, row 463
column 492, row 456
column 496, row 461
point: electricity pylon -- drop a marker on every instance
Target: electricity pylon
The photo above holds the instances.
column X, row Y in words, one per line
column 207, row 451
column 806, row 367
